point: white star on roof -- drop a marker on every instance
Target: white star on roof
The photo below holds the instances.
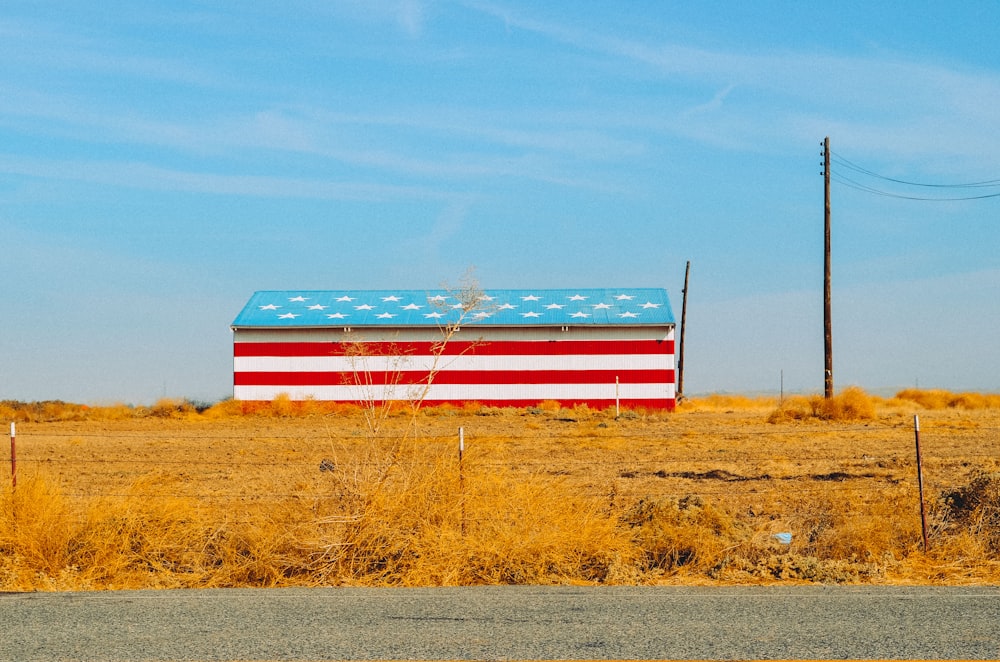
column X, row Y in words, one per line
column 412, row 306
column 485, row 297
column 317, row 307
column 436, row 298
column 458, row 305
column 629, row 314
column 481, row 315
column 554, row 306
column 433, row 315
column 287, row 316
column 507, row 306
column 650, row 305
column 336, row 316
column 624, row 297
column 390, row 298
column 298, row 298
column 270, row 306
column 580, row 314
column 530, row 297
column 577, row 297
column 602, row 306
column 531, row 314
column 345, row 298
column 385, row 316
column 364, row 306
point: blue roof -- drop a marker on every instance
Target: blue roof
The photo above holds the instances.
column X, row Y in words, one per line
column 378, row 308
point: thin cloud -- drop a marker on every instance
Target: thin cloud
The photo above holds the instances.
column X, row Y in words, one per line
column 907, row 97
column 144, row 176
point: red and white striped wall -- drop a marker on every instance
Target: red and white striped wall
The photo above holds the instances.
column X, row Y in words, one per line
column 514, row 367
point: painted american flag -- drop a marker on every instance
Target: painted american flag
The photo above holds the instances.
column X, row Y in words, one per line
column 512, row 347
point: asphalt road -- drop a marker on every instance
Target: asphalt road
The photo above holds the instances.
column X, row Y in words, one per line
column 815, row 622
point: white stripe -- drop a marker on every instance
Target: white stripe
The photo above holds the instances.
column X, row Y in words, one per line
column 468, row 392
column 374, row 364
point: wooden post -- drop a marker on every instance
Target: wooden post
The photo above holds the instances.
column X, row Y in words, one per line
column 680, row 351
column 13, row 457
column 461, row 475
column 617, row 399
column 827, row 323
column 920, row 481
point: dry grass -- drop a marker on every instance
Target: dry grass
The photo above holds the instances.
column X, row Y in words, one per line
column 299, row 493
column 852, row 404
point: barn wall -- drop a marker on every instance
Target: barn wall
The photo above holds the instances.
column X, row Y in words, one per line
column 495, row 366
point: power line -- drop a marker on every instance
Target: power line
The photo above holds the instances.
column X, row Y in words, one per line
column 991, row 183
column 850, row 183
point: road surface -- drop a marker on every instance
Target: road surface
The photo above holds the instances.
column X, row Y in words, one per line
column 813, row 622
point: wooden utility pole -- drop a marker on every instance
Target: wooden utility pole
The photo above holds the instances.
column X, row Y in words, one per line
column 827, row 323
column 680, row 353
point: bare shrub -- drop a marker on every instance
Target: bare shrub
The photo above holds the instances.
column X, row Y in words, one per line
column 927, row 398
column 171, row 408
column 674, row 533
column 34, row 531
column 282, row 406
column 225, row 409
column 975, row 508
column 852, row 404
column 421, row 525
column 795, row 408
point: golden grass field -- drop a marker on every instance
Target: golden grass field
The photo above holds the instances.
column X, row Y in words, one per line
column 306, row 494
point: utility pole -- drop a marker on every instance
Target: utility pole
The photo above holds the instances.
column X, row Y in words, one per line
column 680, row 353
column 827, row 323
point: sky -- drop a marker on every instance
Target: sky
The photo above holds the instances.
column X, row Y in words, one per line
column 161, row 161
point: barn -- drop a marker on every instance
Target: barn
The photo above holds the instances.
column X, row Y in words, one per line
column 512, row 348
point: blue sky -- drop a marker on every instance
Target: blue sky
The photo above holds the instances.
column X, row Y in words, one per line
column 161, row 161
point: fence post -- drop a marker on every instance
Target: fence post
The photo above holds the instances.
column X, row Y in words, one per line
column 13, row 457
column 920, row 481
column 461, row 475
column 617, row 398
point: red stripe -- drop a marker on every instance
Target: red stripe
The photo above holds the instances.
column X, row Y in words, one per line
column 455, row 377
column 455, row 348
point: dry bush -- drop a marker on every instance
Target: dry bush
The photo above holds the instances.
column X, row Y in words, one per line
column 282, row 406
column 795, row 408
column 975, row 508
column 472, row 408
column 172, row 408
column 43, row 411
column 424, row 523
column 972, row 401
column 225, row 409
column 852, row 404
column 35, row 529
column 150, row 538
column 860, row 526
column 8, row 411
column 681, row 533
column 927, row 398
column 942, row 399
column 549, row 406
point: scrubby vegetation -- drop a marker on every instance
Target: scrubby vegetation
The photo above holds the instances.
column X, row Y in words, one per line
column 300, row 493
